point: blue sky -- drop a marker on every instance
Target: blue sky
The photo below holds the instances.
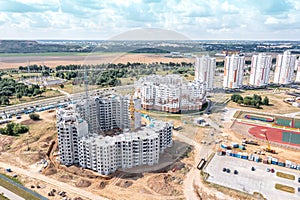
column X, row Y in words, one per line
column 196, row 19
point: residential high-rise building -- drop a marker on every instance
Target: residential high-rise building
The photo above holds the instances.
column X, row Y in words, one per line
column 116, row 146
column 297, row 68
column 205, row 68
column 260, row 69
column 284, row 70
column 233, row 71
column 170, row 93
column 70, row 127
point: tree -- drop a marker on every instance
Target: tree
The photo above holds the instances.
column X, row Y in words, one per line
column 266, row 101
column 257, row 105
column 34, row 116
column 61, row 85
column 247, row 101
column 19, row 95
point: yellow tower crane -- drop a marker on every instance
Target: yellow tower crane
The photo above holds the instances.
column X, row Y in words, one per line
column 268, row 148
column 132, row 111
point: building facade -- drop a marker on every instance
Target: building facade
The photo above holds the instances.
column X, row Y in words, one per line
column 260, row 69
column 233, row 71
column 70, row 127
column 106, row 152
column 205, row 68
column 170, row 93
column 297, row 69
column 285, row 64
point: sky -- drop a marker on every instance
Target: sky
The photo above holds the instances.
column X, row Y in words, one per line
column 194, row 19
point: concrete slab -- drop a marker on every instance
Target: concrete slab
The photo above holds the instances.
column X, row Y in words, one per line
column 251, row 181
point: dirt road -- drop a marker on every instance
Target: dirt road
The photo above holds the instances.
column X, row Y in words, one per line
column 64, row 186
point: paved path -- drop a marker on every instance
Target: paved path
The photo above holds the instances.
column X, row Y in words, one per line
column 64, row 186
column 9, row 194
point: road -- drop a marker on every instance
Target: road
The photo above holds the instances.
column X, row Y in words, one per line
column 9, row 194
column 193, row 177
column 66, row 187
column 55, row 100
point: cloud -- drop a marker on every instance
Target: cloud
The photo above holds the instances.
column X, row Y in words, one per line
column 201, row 19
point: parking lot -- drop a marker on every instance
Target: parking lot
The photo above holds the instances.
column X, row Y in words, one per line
column 250, row 181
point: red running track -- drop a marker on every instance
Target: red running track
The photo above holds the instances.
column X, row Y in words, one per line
column 274, row 134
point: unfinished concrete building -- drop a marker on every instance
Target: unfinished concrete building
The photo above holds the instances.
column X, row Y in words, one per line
column 104, row 152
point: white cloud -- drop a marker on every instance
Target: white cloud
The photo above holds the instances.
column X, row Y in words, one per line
column 272, row 20
column 215, row 19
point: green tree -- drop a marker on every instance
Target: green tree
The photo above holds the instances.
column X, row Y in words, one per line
column 34, row 116
column 266, row 101
column 247, row 101
column 19, row 95
column 10, row 128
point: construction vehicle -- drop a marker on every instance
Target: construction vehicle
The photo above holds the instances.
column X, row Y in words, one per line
column 251, row 142
column 268, row 148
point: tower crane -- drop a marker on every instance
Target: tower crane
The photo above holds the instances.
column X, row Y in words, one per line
column 268, row 148
column 132, row 111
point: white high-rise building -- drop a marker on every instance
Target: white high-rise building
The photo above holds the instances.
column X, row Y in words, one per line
column 233, row 71
column 260, row 69
column 205, row 68
column 70, row 128
column 114, row 148
column 297, row 68
column 285, row 65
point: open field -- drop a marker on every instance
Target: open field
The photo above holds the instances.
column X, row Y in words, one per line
column 277, row 106
column 14, row 61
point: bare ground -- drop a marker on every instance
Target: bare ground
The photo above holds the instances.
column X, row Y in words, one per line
column 53, row 61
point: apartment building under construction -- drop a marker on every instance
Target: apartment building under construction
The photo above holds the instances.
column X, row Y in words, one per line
column 111, row 136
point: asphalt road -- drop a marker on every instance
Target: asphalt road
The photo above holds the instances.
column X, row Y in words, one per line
column 55, row 100
column 9, row 194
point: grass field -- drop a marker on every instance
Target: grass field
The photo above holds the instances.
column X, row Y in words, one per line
column 17, row 190
column 284, row 175
column 284, row 188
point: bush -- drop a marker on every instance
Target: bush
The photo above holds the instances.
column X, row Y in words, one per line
column 14, row 129
column 34, row 116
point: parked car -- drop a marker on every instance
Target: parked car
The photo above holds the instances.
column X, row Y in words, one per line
column 299, row 180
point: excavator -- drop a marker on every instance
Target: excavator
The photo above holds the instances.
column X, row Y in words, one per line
column 268, row 148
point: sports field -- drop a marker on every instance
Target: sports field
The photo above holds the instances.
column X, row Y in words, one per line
column 276, row 135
